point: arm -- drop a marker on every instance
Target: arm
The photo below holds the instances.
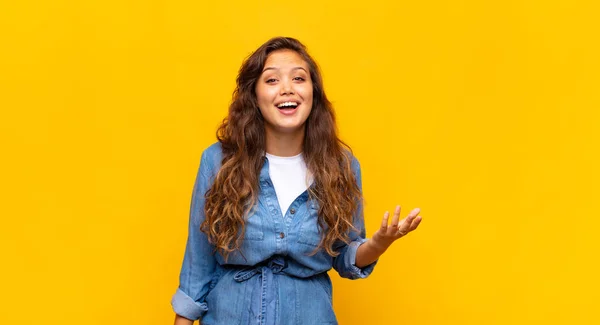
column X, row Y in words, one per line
column 198, row 261
column 357, row 259
column 370, row 251
column 183, row 321
column 346, row 262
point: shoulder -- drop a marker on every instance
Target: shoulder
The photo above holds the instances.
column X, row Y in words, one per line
column 211, row 157
column 213, row 151
column 354, row 163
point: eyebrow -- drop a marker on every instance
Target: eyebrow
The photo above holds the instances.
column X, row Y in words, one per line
column 274, row 68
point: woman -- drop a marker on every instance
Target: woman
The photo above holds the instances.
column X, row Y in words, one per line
column 277, row 203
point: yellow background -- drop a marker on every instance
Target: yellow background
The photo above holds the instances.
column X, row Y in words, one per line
column 485, row 114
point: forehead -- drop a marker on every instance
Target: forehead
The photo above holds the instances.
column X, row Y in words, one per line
column 285, row 59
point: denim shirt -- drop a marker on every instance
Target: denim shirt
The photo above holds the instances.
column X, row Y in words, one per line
column 273, row 278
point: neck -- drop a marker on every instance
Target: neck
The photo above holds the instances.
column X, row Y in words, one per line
column 284, row 144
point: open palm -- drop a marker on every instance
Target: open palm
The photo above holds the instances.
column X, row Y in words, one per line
column 387, row 234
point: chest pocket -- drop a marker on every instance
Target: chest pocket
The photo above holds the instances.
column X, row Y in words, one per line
column 309, row 227
column 254, row 228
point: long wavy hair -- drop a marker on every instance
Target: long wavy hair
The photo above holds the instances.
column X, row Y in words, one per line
column 242, row 136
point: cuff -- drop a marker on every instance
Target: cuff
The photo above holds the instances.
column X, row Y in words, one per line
column 185, row 306
column 355, row 272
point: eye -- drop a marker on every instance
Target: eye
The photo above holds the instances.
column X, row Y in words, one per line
column 299, row 79
column 271, row 80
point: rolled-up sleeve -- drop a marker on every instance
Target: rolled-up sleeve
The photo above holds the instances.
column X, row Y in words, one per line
column 198, row 262
column 345, row 262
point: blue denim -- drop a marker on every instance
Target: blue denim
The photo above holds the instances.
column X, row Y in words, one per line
column 273, row 279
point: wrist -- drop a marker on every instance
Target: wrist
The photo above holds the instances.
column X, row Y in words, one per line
column 378, row 245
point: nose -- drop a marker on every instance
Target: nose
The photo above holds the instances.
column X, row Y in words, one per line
column 286, row 88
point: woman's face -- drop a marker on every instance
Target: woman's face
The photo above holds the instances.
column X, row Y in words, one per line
column 284, row 92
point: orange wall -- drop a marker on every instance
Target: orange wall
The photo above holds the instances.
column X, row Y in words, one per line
column 483, row 113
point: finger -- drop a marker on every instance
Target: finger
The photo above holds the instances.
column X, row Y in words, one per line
column 409, row 219
column 403, row 228
column 384, row 221
column 415, row 220
column 394, row 225
column 415, row 223
column 406, row 225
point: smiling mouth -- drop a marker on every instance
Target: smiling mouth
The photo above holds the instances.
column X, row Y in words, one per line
column 288, row 105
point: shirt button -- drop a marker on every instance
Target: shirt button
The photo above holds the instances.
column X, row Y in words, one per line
column 292, row 211
column 281, row 235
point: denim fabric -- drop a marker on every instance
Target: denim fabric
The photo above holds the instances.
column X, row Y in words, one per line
column 273, row 279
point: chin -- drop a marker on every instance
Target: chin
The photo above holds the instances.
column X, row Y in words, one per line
column 287, row 128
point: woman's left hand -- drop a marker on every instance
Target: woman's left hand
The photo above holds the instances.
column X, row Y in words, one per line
column 387, row 234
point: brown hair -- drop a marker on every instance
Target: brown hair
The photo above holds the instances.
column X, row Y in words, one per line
column 242, row 137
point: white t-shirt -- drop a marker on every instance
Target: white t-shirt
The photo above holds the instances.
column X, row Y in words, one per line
column 289, row 177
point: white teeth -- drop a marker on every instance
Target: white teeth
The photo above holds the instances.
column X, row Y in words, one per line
column 285, row 104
